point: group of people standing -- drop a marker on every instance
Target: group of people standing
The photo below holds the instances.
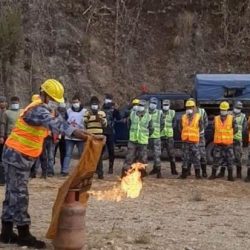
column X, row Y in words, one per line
column 153, row 126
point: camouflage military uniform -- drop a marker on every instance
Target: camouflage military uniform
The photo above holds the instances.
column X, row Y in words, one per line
column 191, row 155
column 223, row 153
column 155, row 144
column 17, row 167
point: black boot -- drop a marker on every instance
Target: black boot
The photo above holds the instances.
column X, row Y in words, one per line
column 222, row 172
column 173, row 168
column 204, row 170
column 238, row 173
column 153, row 171
column 2, row 178
column 183, row 174
column 7, row 235
column 213, row 175
column 230, row 175
column 25, row 238
column 111, row 170
column 248, row 175
column 189, row 169
column 197, row 174
column 158, row 176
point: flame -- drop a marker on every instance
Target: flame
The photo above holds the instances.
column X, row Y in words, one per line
column 131, row 184
column 130, row 187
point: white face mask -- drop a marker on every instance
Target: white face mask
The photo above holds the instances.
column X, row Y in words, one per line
column 62, row 105
column 53, row 105
column 106, row 101
column 165, row 107
column 135, row 108
column 189, row 111
column 94, row 107
column 15, row 106
column 76, row 105
column 237, row 111
column 223, row 112
column 140, row 108
column 152, row 106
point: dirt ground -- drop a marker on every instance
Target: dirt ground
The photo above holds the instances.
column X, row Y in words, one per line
column 170, row 214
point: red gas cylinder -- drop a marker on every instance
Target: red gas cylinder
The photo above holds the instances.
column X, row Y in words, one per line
column 71, row 226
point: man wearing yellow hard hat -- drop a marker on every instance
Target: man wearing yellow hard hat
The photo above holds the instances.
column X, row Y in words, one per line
column 22, row 148
column 225, row 127
column 190, row 127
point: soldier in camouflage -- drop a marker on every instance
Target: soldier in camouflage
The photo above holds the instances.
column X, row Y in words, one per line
column 155, row 138
column 167, row 133
column 190, row 127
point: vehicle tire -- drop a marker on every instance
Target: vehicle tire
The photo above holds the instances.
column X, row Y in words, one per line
column 209, row 151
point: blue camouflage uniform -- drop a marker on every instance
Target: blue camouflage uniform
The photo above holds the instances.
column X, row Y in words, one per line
column 17, row 166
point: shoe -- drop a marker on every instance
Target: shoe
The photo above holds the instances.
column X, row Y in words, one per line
column 204, row 170
column 32, row 175
column 238, row 175
column 158, row 175
column 248, row 175
column 222, row 172
column 197, row 174
column 173, row 168
column 64, row 174
column 110, row 170
column 7, row 235
column 189, row 169
column 213, row 175
column 153, row 171
column 230, row 175
column 25, row 238
column 183, row 174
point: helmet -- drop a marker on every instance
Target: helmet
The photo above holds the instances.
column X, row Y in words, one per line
column 153, row 100
column 142, row 102
column 35, row 97
column 166, row 102
column 190, row 103
column 54, row 89
column 238, row 105
column 224, row 106
column 135, row 101
column 193, row 100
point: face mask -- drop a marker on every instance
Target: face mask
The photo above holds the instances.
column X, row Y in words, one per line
column 53, row 105
column 15, row 106
column 76, row 105
column 223, row 112
column 62, row 105
column 165, row 107
column 106, row 101
column 140, row 108
column 94, row 107
column 152, row 106
column 237, row 111
column 135, row 108
column 189, row 111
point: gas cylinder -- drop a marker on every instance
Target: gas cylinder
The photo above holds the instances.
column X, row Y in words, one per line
column 71, row 226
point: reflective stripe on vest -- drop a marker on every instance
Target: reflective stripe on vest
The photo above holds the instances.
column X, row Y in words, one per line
column 223, row 133
column 156, row 120
column 168, row 124
column 139, row 131
column 27, row 139
column 190, row 129
column 239, row 121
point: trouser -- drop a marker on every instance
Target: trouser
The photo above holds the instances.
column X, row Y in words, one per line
column 15, row 204
column 110, row 141
column 168, row 144
column 62, row 149
column 191, row 155
column 99, row 168
column 223, row 154
column 155, row 145
column 202, row 146
column 2, row 178
column 237, row 149
column 136, row 152
column 70, row 144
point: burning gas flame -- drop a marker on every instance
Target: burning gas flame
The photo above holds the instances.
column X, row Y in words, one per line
column 131, row 185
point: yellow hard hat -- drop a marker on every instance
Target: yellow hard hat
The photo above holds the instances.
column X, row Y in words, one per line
column 35, row 97
column 193, row 100
column 224, row 106
column 135, row 101
column 190, row 103
column 54, row 89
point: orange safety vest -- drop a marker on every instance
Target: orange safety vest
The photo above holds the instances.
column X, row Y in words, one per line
column 190, row 129
column 223, row 131
column 25, row 138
